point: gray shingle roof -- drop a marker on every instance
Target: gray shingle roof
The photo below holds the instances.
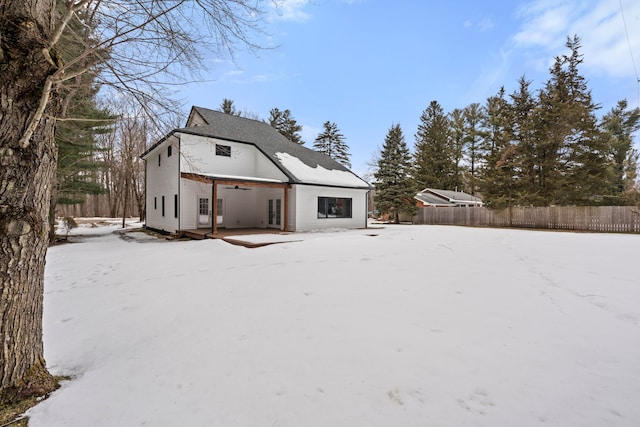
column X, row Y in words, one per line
column 453, row 195
column 432, row 199
column 262, row 135
column 445, row 197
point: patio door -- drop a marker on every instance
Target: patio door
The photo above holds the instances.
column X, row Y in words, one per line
column 274, row 213
column 220, row 212
column 204, row 211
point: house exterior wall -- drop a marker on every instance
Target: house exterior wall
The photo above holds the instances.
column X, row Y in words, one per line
column 198, row 155
column 162, row 181
column 293, row 218
column 239, row 207
column 189, row 192
column 305, row 203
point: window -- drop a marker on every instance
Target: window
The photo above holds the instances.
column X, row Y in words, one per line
column 155, row 203
column 159, row 159
column 334, row 207
column 175, row 205
column 223, row 150
column 220, row 211
column 162, row 205
column 169, row 151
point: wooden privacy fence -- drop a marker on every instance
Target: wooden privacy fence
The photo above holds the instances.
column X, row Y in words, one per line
column 586, row 218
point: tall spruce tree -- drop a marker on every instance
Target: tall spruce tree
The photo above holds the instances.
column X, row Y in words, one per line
column 332, row 143
column 286, row 125
column 619, row 126
column 227, row 106
column 79, row 121
column 496, row 175
column 394, row 190
column 523, row 133
column 458, row 142
column 574, row 164
column 78, row 168
column 434, row 164
column 473, row 116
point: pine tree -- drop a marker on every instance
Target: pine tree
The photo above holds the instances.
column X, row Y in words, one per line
column 523, row 133
column 473, row 116
column 78, row 166
column 618, row 126
column 285, row 124
column 458, row 141
column 332, row 143
column 575, row 168
column 434, row 164
column 496, row 175
column 80, row 120
column 228, row 107
column 394, row 190
column 631, row 194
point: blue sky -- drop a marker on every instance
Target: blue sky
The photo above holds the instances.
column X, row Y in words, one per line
column 367, row 64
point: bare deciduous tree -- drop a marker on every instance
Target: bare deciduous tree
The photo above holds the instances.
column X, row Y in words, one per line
column 132, row 46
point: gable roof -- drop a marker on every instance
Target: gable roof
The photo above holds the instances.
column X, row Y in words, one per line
column 290, row 157
column 432, row 196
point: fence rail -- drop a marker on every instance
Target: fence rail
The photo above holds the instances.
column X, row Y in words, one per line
column 624, row 219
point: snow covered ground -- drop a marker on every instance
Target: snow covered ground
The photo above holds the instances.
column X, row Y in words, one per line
column 400, row 326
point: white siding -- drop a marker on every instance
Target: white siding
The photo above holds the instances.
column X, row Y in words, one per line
column 189, row 192
column 239, row 207
column 199, row 156
column 306, row 206
column 162, row 180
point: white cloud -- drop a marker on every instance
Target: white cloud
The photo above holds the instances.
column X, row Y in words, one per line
column 289, row 10
column 309, row 134
column 599, row 24
column 483, row 24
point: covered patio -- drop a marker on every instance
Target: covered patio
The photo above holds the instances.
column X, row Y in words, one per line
column 276, row 218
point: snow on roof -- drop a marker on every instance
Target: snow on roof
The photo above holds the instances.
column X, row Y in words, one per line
column 319, row 175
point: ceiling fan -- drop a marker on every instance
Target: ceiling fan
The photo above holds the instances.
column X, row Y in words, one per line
column 237, row 187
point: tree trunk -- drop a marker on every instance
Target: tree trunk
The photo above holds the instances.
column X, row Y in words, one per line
column 26, row 173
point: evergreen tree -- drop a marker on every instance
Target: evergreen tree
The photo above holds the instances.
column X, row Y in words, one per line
column 631, row 193
column 458, row 141
column 394, row 190
column 496, row 175
column 78, row 166
column 80, row 120
column 332, row 143
column 523, row 133
column 434, row 165
column 574, row 164
column 285, row 124
column 228, row 107
column 473, row 116
column 618, row 126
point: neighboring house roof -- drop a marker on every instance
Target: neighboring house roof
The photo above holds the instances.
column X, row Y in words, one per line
column 299, row 163
column 431, row 196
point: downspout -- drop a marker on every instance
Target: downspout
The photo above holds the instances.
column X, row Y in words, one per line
column 146, row 164
column 366, row 214
column 179, row 185
column 286, row 209
column 214, row 208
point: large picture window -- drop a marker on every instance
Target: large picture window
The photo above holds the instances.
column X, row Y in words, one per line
column 334, row 207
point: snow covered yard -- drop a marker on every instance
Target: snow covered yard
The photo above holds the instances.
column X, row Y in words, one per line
column 401, row 326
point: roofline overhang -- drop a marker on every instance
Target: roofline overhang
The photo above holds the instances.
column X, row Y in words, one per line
column 226, row 180
column 157, row 144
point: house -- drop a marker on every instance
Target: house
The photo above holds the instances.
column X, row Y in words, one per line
column 430, row 197
column 225, row 171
